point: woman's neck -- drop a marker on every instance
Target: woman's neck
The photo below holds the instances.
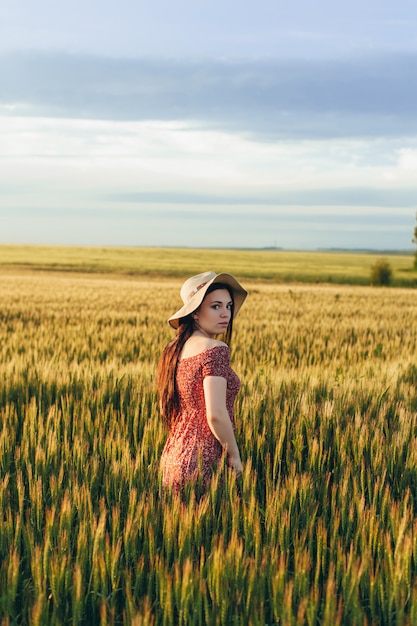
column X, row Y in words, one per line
column 201, row 333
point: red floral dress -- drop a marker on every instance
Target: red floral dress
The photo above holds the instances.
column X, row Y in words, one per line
column 191, row 445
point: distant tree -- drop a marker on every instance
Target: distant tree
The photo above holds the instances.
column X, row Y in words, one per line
column 414, row 240
column 381, row 273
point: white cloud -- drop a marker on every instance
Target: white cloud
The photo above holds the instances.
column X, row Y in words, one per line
column 60, row 173
column 178, row 156
column 408, row 160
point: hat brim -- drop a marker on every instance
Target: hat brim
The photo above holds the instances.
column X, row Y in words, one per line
column 239, row 296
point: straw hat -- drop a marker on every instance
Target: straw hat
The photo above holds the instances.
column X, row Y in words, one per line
column 194, row 289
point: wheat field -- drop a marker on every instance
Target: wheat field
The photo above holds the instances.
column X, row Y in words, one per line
column 320, row 529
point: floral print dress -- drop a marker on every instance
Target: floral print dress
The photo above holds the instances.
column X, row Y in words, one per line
column 192, row 452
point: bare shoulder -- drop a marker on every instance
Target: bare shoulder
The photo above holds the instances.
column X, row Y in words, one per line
column 197, row 345
column 213, row 343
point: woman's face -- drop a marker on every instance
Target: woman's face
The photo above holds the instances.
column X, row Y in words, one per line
column 213, row 315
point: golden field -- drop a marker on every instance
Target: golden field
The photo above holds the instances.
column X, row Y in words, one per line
column 321, row 529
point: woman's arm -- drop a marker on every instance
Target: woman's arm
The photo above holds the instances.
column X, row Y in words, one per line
column 219, row 420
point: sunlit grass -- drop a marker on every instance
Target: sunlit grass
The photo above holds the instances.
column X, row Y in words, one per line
column 321, row 527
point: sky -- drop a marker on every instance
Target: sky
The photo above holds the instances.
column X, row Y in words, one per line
column 209, row 123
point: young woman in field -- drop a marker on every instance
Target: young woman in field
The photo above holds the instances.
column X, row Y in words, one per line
column 196, row 385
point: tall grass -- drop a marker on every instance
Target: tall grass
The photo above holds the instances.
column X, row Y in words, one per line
column 320, row 529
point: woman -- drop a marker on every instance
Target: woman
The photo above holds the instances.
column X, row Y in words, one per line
column 196, row 384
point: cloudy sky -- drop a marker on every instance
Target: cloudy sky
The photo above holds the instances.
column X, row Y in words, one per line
column 209, row 123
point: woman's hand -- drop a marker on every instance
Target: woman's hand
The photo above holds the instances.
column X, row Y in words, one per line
column 235, row 463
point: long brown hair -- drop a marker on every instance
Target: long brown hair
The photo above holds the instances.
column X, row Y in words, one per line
column 167, row 366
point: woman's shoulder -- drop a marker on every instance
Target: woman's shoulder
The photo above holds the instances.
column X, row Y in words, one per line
column 201, row 346
column 216, row 343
